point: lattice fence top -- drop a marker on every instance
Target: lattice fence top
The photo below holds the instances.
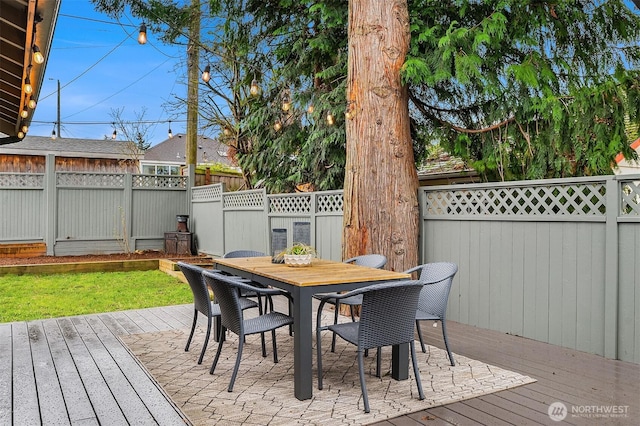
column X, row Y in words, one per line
column 159, row 181
column 630, row 199
column 245, row 199
column 577, row 199
column 330, row 203
column 290, row 204
column 108, row 180
column 21, row 180
column 207, row 193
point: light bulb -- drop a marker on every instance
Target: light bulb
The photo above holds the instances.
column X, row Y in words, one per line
column 330, row 119
column 227, row 131
column 254, row 89
column 53, row 134
column 32, row 104
column 28, row 88
column 170, row 133
column 38, row 57
column 206, row 74
column 24, row 128
column 142, row 36
column 310, row 109
column 20, row 135
column 24, row 113
column 277, row 126
column 114, row 134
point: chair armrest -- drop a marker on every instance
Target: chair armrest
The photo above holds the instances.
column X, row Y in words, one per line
column 414, row 269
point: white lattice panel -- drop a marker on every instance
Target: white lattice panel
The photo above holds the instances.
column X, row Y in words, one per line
column 330, row 203
column 290, row 204
column 108, row 180
column 554, row 200
column 21, row 180
column 156, row 181
column 630, row 199
column 207, row 193
column 245, row 199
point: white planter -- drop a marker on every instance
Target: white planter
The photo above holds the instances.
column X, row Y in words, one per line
column 298, row 259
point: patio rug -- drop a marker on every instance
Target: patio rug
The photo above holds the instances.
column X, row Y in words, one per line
column 263, row 391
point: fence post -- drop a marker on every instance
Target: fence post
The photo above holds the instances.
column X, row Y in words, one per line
column 611, row 269
column 127, row 212
column 51, row 206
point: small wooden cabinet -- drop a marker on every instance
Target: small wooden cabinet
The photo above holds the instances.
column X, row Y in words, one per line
column 178, row 243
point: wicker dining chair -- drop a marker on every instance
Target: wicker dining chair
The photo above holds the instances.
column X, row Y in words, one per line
column 437, row 278
column 227, row 292
column 202, row 302
column 370, row 260
column 386, row 318
column 268, row 303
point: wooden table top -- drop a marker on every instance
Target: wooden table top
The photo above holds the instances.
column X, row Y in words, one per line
column 321, row 272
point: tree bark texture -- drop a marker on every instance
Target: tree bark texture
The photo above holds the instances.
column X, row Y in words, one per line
column 381, row 182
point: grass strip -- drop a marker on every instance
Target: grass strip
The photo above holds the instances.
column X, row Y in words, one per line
column 29, row 297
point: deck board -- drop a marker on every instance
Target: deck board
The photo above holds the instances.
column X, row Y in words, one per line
column 6, row 394
column 25, row 396
column 52, row 408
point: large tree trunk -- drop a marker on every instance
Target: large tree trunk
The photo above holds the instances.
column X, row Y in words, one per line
column 380, row 189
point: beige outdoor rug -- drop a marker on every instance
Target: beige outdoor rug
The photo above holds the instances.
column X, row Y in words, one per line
column 263, row 391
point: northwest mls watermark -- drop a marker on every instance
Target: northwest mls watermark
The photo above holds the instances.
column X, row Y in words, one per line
column 559, row 411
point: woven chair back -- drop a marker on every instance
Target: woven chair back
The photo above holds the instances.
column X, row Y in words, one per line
column 388, row 314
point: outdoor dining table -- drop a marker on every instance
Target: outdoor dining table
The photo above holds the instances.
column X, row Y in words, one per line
column 322, row 276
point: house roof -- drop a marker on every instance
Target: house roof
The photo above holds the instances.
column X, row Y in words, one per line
column 23, row 24
column 67, row 147
column 173, row 150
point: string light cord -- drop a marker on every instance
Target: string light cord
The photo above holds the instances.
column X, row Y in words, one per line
column 88, row 69
column 119, row 91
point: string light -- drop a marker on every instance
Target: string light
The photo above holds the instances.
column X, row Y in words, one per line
column 38, row 57
column 277, row 126
column 254, row 89
column 28, row 88
column 114, row 134
column 53, row 132
column 32, row 103
column 330, row 119
column 142, row 36
column 206, row 74
column 350, row 111
column 310, row 109
column 24, row 128
column 20, row 135
column 286, row 102
column 170, row 133
column 25, row 112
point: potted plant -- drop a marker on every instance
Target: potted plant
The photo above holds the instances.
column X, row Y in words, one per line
column 299, row 254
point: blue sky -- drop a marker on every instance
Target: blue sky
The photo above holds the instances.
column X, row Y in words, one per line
column 101, row 68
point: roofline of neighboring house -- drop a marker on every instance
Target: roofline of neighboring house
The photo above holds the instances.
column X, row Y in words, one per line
column 66, row 154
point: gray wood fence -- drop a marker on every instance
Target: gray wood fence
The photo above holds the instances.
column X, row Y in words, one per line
column 553, row 260
column 77, row 213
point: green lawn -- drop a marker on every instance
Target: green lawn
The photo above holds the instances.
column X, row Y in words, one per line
column 28, row 297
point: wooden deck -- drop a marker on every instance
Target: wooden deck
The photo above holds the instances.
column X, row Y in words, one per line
column 76, row 371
